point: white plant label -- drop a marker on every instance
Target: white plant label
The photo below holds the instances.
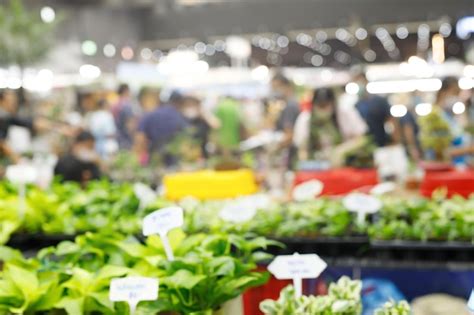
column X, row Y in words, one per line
column 238, row 212
column 470, row 303
column 362, row 204
column 133, row 290
column 308, row 190
column 21, row 174
column 161, row 222
column 144, row 193
column 383, row 188
column 297, row 267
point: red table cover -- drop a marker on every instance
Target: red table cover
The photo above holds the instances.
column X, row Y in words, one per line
column 339, row 181
column 457, row 182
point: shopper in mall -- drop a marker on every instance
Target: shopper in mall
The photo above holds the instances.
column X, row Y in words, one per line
column 101, row 124
column 375, row 110
column 148, row 99
column 283, row 90
column 328, row 131
column 229, row 131
column 81, row 164
column 157, row 129
column 198, row 127
column 446, row 99
column 124, row 116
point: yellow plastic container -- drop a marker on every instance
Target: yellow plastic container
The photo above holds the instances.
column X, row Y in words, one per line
column 210, row 184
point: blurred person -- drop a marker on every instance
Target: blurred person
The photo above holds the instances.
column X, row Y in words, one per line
column 328, row 129
column 81, row 164
column 148, row 99
column 9, row 117
column 409, row 132
column 158, row 128
column 375, row 110
column 124, row 116
column 446, row 97
column 199, row 123
column 229, row 131
column 102, row 126
column 283, row 90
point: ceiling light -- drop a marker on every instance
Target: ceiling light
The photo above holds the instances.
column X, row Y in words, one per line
column 352, row 88
column 47, row 14
column 89, row 71
column 423, row 109
column 402, row 32
column 109, row 50
column 127, row 53
column 398, row 110
column 459, row 108
column 361, row 33
column 89, row 48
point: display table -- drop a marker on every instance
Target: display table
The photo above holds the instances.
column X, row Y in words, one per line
column 339, row 181
column 456, row 182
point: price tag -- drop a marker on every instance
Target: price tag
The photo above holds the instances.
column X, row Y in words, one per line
column 144, row 193
column 133, row 290
column 362, row 204
column 21, row 174
column 297, row 267
column 383, row 188
column 470, row 303
column 161, row 222
column 308, row 190
column 238, row 213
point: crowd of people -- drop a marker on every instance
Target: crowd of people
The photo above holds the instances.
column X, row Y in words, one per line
column 319, row 127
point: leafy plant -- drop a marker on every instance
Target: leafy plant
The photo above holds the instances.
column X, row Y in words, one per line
column 74, row 277
column 25, row 38
column 394, row 308
column 343, row 298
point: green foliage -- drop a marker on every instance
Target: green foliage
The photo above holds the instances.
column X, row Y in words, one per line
column 393, row 308
column 343, row 299
column 74, row 277
column 25, row 38
column 435, row 134
column 422, row 219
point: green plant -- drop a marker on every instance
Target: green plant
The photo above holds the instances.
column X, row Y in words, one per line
column 74, row 277
column 343, row 299
column 394, row 308
column 435, row 134
column 25, row 38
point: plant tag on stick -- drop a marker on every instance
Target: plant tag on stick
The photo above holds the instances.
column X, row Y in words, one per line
column 470, row 303
column 133, row 290
column 144, row 193
column 362, row 204
column 297, row 267
column 237, row 213
column 308, row 190
column 21, row 175
column 161, row 222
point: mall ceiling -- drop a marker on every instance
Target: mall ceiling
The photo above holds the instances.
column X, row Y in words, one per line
column 169, row 19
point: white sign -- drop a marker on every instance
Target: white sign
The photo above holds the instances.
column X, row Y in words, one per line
column 161, row 222
column 297, row 267
column 237, row 213
column 391, row 161
column 308, row 190
column 383, row 188
column 470, row 303
column 133, row 290
column 144, row 193
column 21, row 174
column 362, row 204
